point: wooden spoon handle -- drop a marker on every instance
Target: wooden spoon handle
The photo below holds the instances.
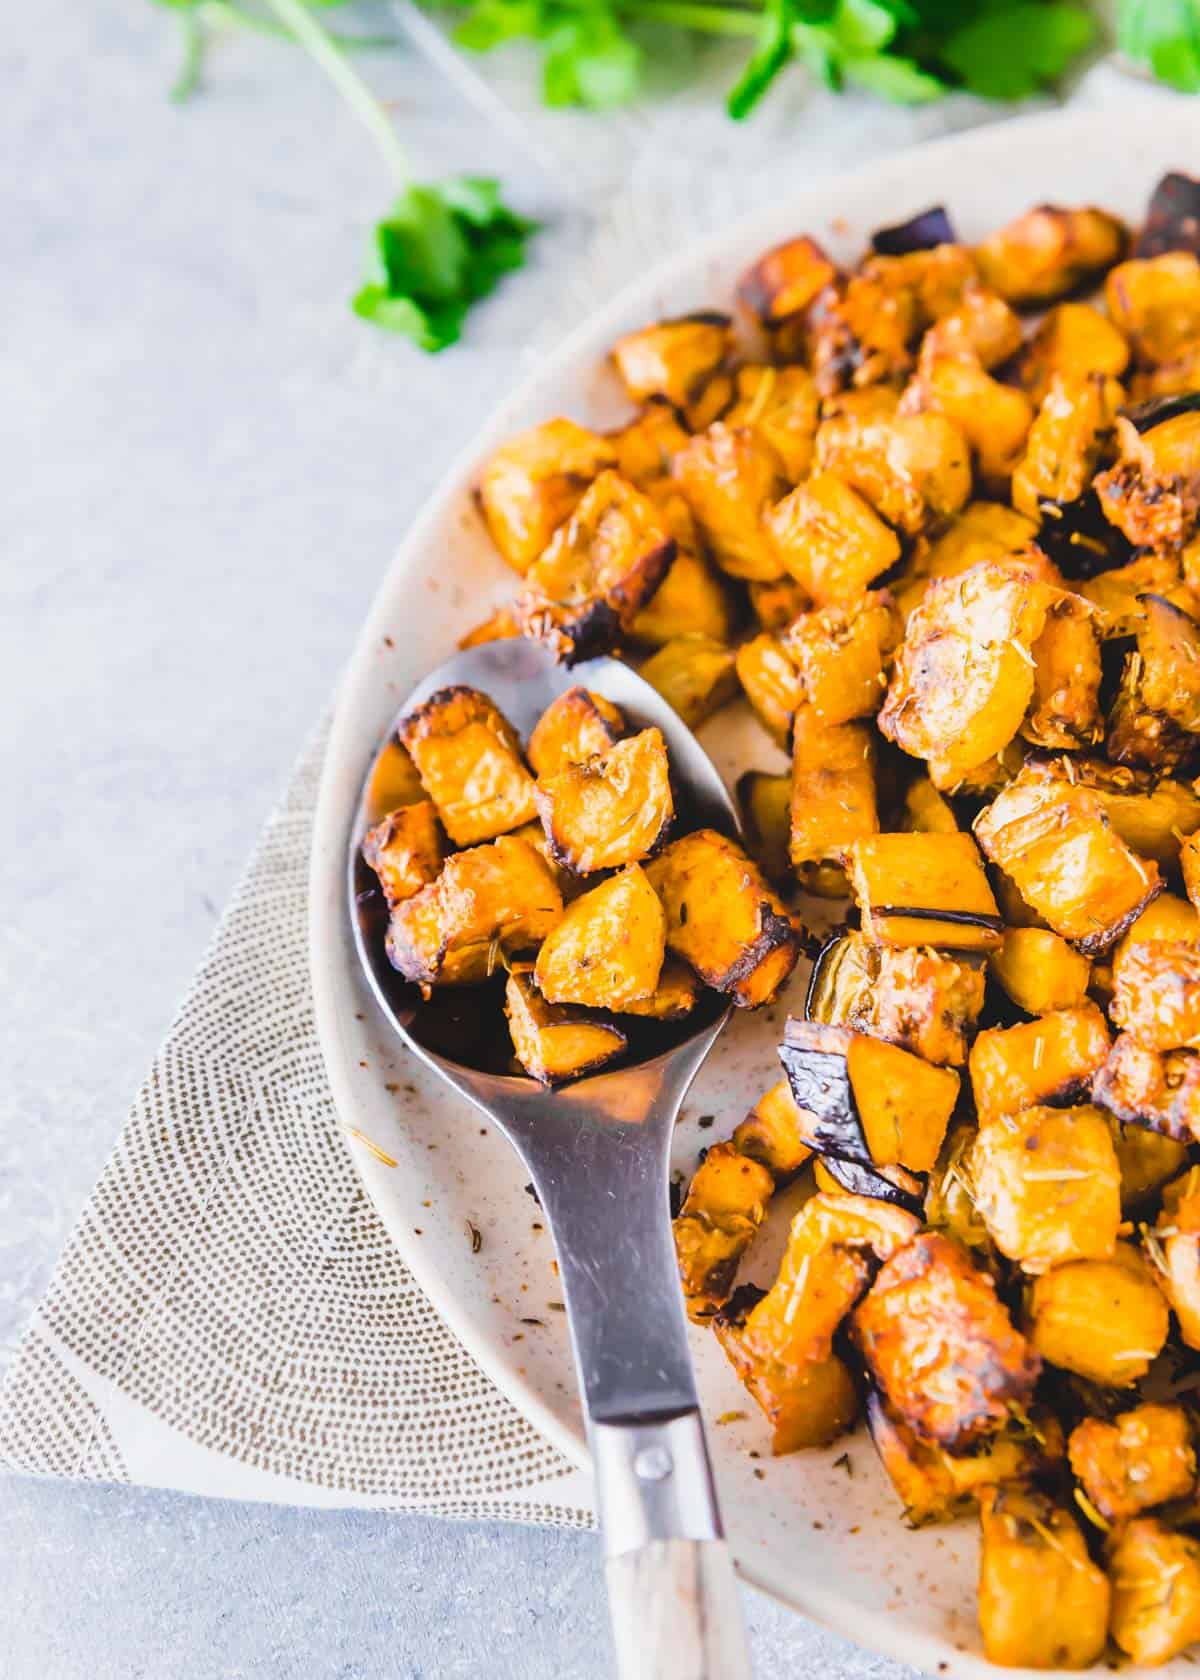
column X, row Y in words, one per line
column 676, row 1612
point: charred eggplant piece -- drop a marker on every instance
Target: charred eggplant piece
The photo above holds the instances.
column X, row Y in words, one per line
column 725, row 1205
column 919, row 233
column 924, row 889
column 1172, row 217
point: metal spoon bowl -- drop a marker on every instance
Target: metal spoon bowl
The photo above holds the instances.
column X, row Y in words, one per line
column 597, row 1151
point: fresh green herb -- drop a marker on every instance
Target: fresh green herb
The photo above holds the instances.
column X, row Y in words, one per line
column 1164, row 35
column 1009, row 53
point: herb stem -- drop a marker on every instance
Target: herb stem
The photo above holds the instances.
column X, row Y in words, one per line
column 325, row 52
column 695, row 14
column 186, row 81
column 226, row 14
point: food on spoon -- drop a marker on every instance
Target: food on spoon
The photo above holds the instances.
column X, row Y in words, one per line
column 469, row 760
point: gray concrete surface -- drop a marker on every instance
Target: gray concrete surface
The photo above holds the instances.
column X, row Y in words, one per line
column 205, row 464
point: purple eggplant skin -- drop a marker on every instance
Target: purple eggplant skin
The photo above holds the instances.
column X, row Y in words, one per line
column 865, row 1181
column 1079, row 539
column 1172, row 218
column 1143, row 417
column 920, row 233
column 820, row 1084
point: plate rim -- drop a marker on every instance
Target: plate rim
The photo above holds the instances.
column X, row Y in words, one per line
column 878, row 1631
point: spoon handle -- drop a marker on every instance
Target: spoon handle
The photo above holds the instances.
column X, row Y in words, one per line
column 673, row 1596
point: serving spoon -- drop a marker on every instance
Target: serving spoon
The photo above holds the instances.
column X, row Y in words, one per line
column 598, row 1153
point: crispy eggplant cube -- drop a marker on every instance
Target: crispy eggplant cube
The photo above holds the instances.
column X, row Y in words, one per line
column 1152, row 494
column 780, row 404
column 729, row 476
column 1175, row 1250
column 1146, row 1087
column 934, row 1485
column 921, row 999
column 1168, row 920
column 695, row 675
column 1146, row 1159
column 675, row 996
column 724, row 1207
column 469, row 761
column 607, row 950
column 766, row 805
column 553, row 1042
column 833, row 788
column 1050, row 1060
column 1065, row 709
column 646, row 446
column 610, row 810
column 1156, row 999
column 808, row 1402
column 829, row 539
column 405, row 850
column 723, row 919
column 1043, row 1603
column 1143, row 1458
column 1040, row 971
column 1069, row 435
column 770, row 682
column 1105, row 1320
column 785, row 281
column 982, row 326
column 488, row 899
column 866, row 1100
column 926, row 811
column 1048, row 1185
column 674, row 359
column 1053, row 837
column 914, row 469
column 535, row 482
column 1155, row 302
column 586, row 589
column 982, row 531
column 1074, row 340
column 1149, row 812
column 776, row 603
column 994, row 418
column 1049, row 251
column 693, row 599
column 1155, row 1591
column 576, row 726
column 924, row 889
column 964, row 673
column 940, row 1345
column 841, row 654
column 773, row 1133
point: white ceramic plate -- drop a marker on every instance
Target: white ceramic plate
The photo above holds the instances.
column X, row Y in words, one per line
column 820, row 1530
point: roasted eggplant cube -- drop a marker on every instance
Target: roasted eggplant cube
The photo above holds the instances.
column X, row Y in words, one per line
column 1049, row 251
column 828, row 538
column 940, row 1345
column 841, row 654
column 722, row 917
column 1117, row 594
column 1048, row 1185
column 1070, row 433
column 992, row 417
column 982, row 327
column 781, row 404
column 1168, row 920
column 766, row 804
column 1050, row 1060
column 610, row 810
column 553, row 1042
column 1189, row 863
column 586, row 589
column 575, row 727
column 964, row 673
column 833, row 788
column 1155, row 1575
column 675, row 996
column 1043, row 1603
column 729, row 477
column 607, row 950
column 1155, row 303
column 934, row 1485
column 866, row 1100
column 1149, row 812
column 807, row 1402
column 982, row 531
column 771, row 683
column 1145, row 1087
column 1175, row 1251
column 645, row 447
column 1156, row 999
column 470, row 764
column 1055, row 841
column 693, row 599
column 1105, row 1320
column 1065, row 709
column 724, row 1207
column 695, row 675
column 1143, row 1458
column 535, row 482
column 924, row 889
column 773, row 1132
column 1152, row 494
column 926, row 811
column 914, row 469
column 913, row 996
column 486, row 900
column 777, row 603
column 405, row 850
column 1146, row 1159
column 1040, row 971
column 785, row 281
column 1073, row 340
column 674, row 359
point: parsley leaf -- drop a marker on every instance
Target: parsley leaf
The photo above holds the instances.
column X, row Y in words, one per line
column 1165, row 35
column 441, row 249
column 1009, row 53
